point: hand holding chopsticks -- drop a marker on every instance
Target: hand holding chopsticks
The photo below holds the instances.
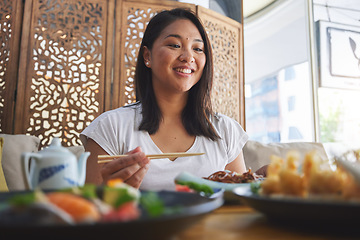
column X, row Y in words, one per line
column 131, row 169
column 109, row 158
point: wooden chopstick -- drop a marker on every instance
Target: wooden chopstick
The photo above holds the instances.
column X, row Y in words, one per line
column 109, row 158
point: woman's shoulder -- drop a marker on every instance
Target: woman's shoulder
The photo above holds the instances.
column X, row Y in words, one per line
column 230, row 131
column 113, row 123
column 128, row 110
column 122, row 116
column 226, row 125
column 221, row 120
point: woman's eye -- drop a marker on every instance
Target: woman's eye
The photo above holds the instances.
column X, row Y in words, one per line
column 199, row 49
column 174, row 45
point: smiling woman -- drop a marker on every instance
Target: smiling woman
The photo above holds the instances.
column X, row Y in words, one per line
column 174, row 76
column 163, row 31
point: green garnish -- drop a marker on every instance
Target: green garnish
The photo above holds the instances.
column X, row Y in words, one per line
column 118, row 196
column 197, row 187
column 152, row 204
column 27, row 198
column 255, row 187
column 23, row 199
column 89, row 191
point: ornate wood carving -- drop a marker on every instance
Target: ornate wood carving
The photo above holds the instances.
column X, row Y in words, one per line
column 10, row 26
column 225, row 36
column 64, row 79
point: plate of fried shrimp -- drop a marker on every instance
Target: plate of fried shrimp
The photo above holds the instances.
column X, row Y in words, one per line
column 309, row 191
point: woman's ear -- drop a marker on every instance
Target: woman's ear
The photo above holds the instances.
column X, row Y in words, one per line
column 147, row 56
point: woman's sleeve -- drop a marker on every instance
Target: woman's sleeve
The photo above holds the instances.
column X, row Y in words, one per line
column 235, row 138
column 103, row 131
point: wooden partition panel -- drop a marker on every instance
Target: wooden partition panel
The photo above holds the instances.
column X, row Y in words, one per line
column 226, row 40
column 77, row 60
column 62, row 78
column 11, row 12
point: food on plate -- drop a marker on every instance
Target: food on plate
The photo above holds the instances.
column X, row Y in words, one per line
column 183, row 188
column 22, row 208
column 116, row 201
column 314, row 177
column 126, row 212
column 192, row 184
column 117, row 193
column 233, row 177
column 216, row 183
column 320, row 179
column 283, row 177
column 79, row 208
column 351, row 190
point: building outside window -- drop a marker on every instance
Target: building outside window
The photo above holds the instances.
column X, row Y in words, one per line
column 278, row 108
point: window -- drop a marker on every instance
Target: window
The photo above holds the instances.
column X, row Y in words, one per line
column 339, row 115
column 272, row 114
column 291, row 103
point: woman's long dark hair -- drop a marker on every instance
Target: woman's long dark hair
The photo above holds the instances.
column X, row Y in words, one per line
column 198, row 110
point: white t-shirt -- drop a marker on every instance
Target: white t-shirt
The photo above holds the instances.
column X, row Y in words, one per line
column 116, row 131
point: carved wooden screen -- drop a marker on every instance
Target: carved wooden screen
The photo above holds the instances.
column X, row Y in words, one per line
column 62, row 80
column 78, row 58
column 10, row 29
column 226, row 40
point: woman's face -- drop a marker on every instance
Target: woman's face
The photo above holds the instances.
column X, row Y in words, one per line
column 177, row 58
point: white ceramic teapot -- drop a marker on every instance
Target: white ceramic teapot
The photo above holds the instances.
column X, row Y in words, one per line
column 54, row 167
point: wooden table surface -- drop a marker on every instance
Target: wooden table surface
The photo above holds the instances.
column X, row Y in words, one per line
column 242, row 222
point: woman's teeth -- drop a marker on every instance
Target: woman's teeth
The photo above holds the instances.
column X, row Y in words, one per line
column 184, row 70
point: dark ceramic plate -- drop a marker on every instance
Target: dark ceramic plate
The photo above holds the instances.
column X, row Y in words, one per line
column 193, row 208
column 315, row 213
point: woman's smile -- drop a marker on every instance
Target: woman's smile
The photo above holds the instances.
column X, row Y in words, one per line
column 184, row 70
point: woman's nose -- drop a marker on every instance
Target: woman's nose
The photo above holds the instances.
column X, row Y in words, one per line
column 186, row 56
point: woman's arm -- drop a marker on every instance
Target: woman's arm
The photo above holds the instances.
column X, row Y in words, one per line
column 131, row 169
column 238, row 165
column 93, row 174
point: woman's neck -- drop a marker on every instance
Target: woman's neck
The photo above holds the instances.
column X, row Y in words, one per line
column 171, row 106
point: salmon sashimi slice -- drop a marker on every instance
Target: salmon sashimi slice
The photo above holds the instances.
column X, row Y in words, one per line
column 79, row 208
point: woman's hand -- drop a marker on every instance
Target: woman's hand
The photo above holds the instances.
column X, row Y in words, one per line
column 262, row 171
column 131, row 169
